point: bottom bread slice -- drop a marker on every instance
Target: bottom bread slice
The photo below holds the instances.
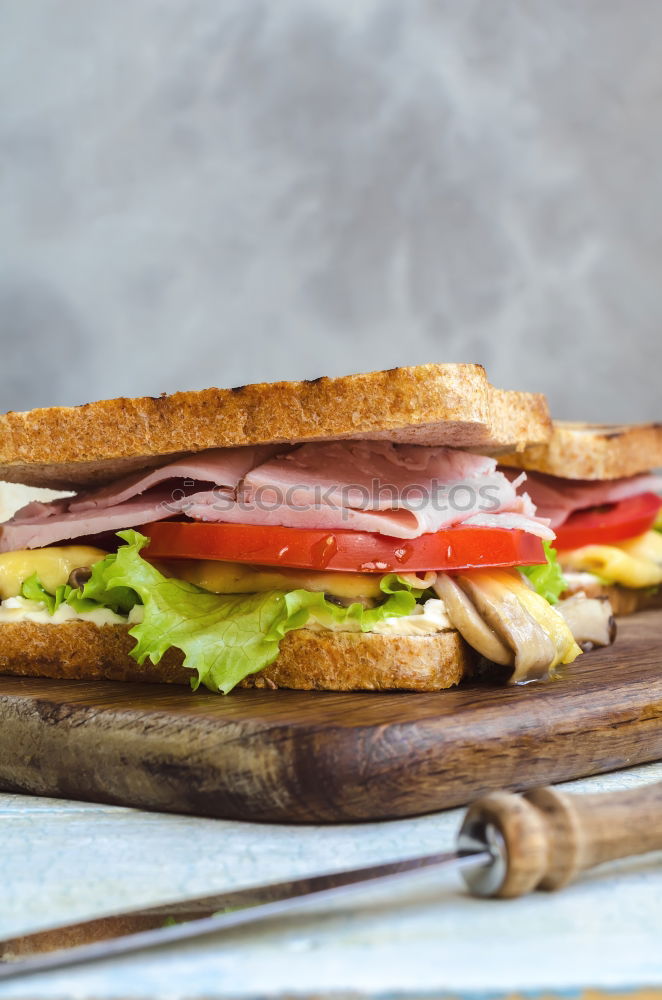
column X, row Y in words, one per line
column 624, row 600
column 307, row 660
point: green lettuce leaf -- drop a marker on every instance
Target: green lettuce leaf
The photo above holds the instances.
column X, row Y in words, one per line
column 79, row 599
column 96, row 593
column 547, row 579
column 224, row 637
column 33, row 590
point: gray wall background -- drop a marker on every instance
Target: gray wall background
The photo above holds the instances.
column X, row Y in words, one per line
column 198, row 192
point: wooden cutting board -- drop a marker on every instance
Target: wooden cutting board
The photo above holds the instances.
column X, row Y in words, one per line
column 294, row 756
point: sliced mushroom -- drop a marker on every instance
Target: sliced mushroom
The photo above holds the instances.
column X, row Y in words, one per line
column 535, row 652
column 79, row 577
column 346, row 602
column 421, row 581
column 591, row 620
column 465, row 618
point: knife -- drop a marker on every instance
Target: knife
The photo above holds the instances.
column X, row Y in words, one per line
column 508, row 845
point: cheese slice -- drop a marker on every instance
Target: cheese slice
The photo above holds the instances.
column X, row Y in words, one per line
column 52, row 565
column 553, row 623
column 647, row 546
column 238, row 578
column 502, row 584
column 635, row 563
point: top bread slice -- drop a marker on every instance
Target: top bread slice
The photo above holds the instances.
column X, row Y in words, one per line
column 433, row 404
column 593, row 451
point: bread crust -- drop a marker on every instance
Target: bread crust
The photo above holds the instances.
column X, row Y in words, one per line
column 308, row 660
column 433, row 404
column 593, row 451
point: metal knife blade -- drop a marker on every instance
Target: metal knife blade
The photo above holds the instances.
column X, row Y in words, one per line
column 508, row 845
column 201, row 918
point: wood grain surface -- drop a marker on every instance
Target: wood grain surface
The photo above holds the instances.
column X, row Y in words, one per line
column 294, row 756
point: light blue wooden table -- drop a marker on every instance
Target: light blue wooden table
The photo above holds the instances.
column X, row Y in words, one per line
column 62, row 861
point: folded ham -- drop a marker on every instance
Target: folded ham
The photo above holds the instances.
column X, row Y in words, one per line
column 131, row 501
column 222, row 467
column 398, row 490
column 556, row 499
column 25, row 532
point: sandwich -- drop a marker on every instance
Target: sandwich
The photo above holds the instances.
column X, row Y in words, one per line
column 345, row 533
column 595, row 486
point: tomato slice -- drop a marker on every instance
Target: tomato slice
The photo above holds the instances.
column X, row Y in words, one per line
column 612, row 523
column 354, row 551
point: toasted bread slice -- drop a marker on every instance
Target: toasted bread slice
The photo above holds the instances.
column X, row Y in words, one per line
column 434, row 404
column 308, row 660
column 593, row 451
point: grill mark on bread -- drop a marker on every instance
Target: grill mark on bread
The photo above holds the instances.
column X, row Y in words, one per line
column 593, row 451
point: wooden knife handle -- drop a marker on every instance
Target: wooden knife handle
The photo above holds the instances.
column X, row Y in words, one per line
column 545, row 838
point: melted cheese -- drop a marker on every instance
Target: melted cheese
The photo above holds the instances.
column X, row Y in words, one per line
column 647, row 546
column 237, row 578
column 52, row 565
column 553, row 623
column 498, row 581
column 635, row 563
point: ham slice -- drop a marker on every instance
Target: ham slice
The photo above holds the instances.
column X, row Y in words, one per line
column 131, row 501
column 399, row 523
column 399, row 490
column 556, row 499
column 375, row 475
column 31, row 533
column 513, row 522
column 36, row 510
column 220, row 466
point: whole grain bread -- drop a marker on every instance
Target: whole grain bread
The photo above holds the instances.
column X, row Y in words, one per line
column 593, row 451
column 433, row 404
column 308, row 660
